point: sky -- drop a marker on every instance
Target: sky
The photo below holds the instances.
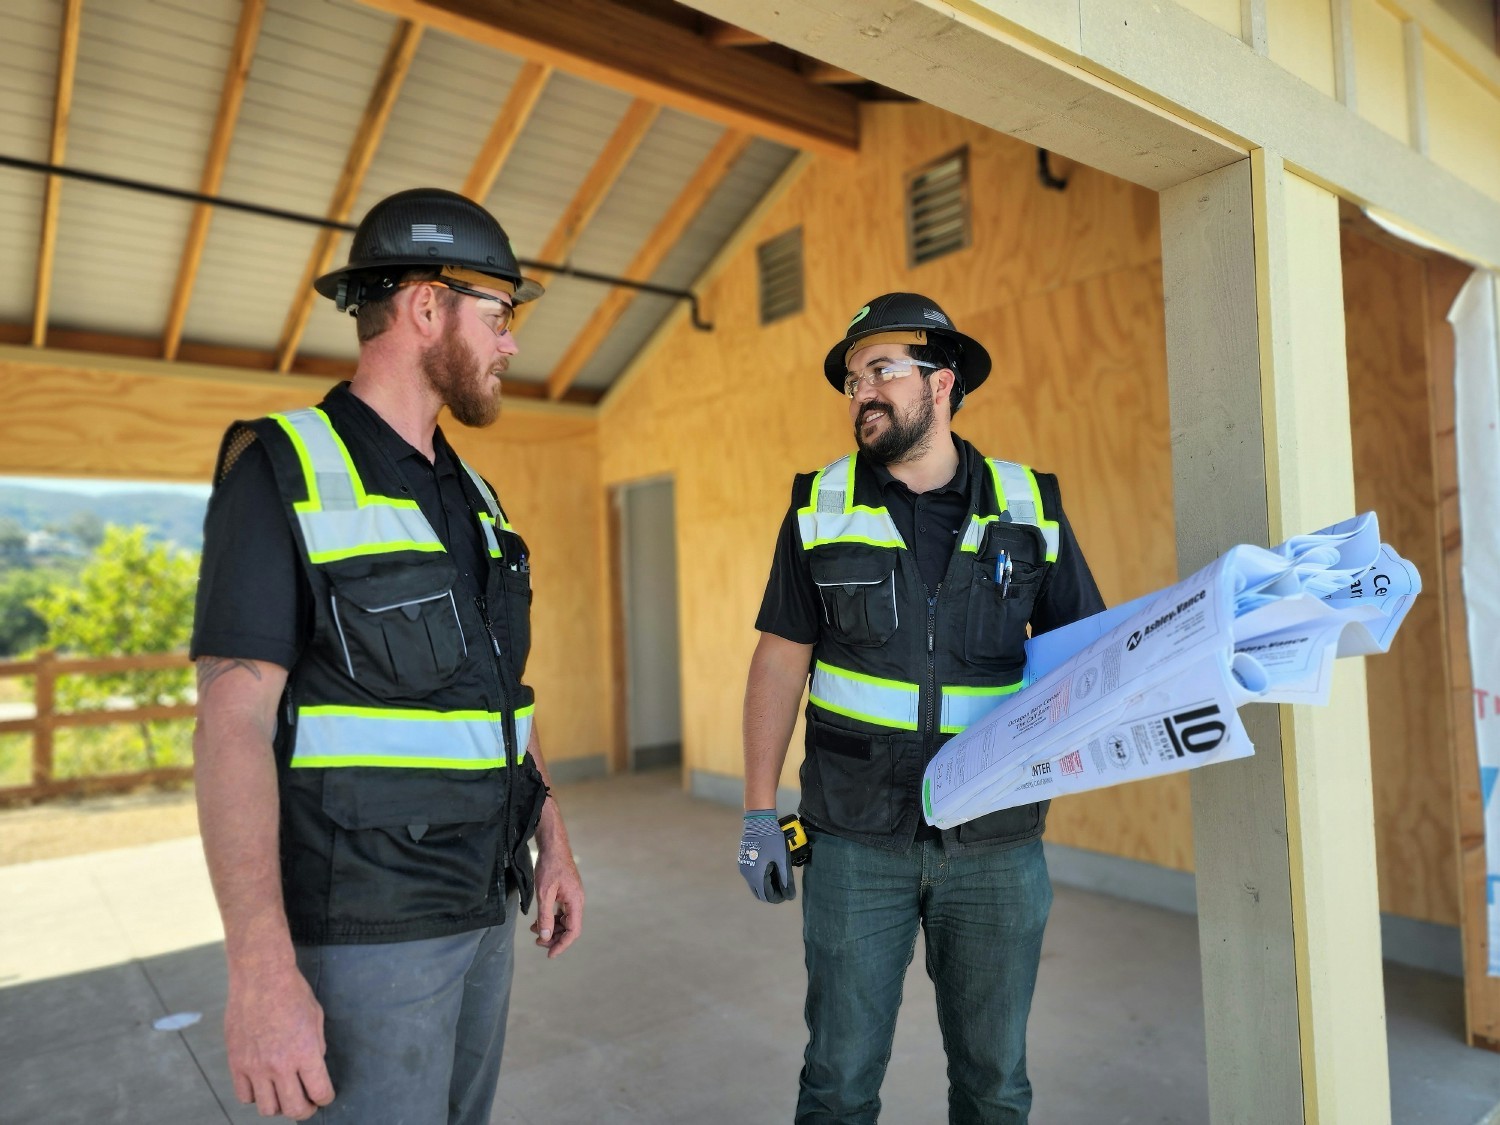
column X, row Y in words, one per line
column 84, row 487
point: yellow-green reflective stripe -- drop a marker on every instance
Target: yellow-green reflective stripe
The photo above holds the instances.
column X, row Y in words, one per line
column 1021, row 496
column 487, row 523
column 964, row 706
column 831, row 516
column 888, row 703
column 331, row 735
column 523, row 731
column 339, row 520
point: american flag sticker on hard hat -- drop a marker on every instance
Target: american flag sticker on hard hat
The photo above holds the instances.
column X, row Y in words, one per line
column 933, row 314
column 431, row 232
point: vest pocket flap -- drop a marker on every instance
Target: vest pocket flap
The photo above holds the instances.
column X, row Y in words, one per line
column 391, row 588
column 840, row 566
column 395, row 798
column 1022, row 542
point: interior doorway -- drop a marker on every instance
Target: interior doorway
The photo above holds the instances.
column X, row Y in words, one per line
column 646, row 547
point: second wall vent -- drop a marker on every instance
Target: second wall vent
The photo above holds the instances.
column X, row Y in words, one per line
column 780, row 267
column 937, row 208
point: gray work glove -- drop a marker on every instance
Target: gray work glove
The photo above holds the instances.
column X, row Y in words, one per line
column 763, row 858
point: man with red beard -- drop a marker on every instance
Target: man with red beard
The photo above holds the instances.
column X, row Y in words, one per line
column 905, row 580
column 367, row 763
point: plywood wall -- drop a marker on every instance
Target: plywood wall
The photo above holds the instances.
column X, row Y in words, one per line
column 1387, row 322
column 1065, row 290
column 102, row 421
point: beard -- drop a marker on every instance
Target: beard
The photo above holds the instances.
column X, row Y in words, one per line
column 461, row 381
column 902, row 439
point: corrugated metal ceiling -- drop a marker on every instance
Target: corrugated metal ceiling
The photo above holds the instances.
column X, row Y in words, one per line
column 145, row 99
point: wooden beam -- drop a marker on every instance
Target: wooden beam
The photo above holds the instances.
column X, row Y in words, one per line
column 614, row 45
column 658, row 244
column 525, row 92
column 393, row 71
column 722, row 34
column 825, row 74
column 230, row 97
column 62, row 107
column 618, row 150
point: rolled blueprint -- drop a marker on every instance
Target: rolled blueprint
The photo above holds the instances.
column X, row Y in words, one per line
column 1152, row 687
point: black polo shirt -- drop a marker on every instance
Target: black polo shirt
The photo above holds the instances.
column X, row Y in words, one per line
column 253, row 600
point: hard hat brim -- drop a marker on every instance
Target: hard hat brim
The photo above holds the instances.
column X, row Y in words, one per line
column 527, row 289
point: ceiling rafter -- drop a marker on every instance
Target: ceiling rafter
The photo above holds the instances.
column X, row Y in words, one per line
column 826, row 74
column 615, row 45
column 525, row 92
column 62, row 108
column 658, row 244
column 632, row 129
column 722, row 34
column 393, row 72
column 236, row 76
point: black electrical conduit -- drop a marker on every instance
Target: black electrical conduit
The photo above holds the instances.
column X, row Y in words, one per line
column 331, row 224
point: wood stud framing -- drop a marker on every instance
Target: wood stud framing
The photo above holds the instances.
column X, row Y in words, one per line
column 393, row 71
column 62, row 106
column 230, row 97
column 656, row 247
column 628, row 134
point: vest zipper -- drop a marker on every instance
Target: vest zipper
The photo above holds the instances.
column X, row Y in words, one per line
column 930, row 726
column 507, row 740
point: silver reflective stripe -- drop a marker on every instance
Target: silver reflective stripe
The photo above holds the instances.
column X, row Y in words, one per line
column 338, row 519
column 832, row 517
column 333, row 736
column 964, row 706
column 492, row 544
column 489, row 497
column 888, row 703
column 1020, row 496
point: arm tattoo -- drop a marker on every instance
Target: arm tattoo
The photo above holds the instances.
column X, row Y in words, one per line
column 210, row 668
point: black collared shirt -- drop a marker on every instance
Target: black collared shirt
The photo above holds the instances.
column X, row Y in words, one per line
column 253, row 600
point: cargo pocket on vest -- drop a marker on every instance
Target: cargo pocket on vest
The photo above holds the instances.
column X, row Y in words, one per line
column 849, row 779
column 858, row 590
column 398, row 629
column 410, row 846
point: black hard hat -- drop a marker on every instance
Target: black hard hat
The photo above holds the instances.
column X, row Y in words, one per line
column 919, row 320
column 425, row 227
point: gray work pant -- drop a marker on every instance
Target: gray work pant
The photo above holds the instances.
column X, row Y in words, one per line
column 415, row 1029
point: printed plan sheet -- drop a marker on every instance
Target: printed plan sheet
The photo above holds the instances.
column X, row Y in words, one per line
column 1152, row 687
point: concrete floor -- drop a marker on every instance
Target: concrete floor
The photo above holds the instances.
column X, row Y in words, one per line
column 681, row 1004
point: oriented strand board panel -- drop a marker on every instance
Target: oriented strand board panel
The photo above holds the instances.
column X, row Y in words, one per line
column 1299, row 36
column 1463, row 122
column 67, row 420
column 1064, row 288
column 1380, row 68
column 1385, row 299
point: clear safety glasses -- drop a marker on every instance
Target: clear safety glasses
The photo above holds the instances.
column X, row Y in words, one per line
column 494, row 313
column 881, row 371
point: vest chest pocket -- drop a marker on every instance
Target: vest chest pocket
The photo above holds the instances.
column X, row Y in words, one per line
column 858, row 591
column 1000, row 606
column 514, row 568
column 398, row 629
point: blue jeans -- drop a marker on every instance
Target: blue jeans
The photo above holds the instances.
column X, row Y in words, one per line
column 415, row 1029
column 983, row 915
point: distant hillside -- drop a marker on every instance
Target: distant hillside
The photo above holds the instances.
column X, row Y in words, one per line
column 171, row 516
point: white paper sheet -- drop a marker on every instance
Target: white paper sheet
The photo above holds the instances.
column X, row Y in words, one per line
column 1152, row 687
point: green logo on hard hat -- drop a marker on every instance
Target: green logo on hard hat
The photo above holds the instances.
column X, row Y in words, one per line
column 859, row 316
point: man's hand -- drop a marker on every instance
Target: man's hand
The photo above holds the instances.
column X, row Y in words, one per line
column 559, row 889
column 764, row 861
column 273, row 1027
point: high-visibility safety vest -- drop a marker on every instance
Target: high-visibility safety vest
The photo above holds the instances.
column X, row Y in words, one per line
column 897, row 671
column 407, row 792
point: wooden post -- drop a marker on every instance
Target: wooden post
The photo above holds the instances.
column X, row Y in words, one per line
column 41, row 734
column 1288, row 909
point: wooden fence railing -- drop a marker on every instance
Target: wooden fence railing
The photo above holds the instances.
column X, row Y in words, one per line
column 47, row 667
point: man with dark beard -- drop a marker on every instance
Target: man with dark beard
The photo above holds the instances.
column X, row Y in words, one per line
column 367, row 763
column 905, row 579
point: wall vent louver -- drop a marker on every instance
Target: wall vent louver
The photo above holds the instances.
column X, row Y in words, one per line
column 780, row 268
column 937, row 208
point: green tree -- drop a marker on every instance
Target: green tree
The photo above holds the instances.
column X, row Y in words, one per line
column 12, row 543
column 131, row 598
column 21, row 627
